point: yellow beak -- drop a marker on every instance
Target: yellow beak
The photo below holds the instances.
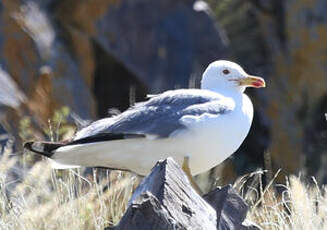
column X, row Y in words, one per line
column 252, row 81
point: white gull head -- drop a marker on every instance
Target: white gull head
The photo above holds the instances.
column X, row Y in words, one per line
column 226, row 75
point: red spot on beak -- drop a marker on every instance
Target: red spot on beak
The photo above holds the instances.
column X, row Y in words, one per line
column 258, row 83
column 253, row 81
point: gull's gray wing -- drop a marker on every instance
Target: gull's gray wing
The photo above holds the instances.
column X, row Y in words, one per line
column 161, row 115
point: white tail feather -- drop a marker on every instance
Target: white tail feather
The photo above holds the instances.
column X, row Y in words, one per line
column 57, row 165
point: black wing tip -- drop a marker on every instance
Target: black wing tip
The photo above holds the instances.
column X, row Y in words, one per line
column 43, row 148
column 28, row 145
column 105, row 137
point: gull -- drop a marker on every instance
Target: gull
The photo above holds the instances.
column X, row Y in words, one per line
column 199, row 128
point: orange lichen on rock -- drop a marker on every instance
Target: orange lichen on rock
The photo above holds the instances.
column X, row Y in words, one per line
column 42, row 102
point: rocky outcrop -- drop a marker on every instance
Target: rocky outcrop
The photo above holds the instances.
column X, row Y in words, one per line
column 10, row 95
column 63, row 53
column 295, row 35
column 166, row 200
column 284, row 41
column 151, row 46
column 162, row 43
column 40, row 63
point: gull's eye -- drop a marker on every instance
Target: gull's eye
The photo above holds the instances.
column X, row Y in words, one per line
column 226, row 71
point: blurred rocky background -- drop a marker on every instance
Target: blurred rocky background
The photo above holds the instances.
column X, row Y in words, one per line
column 94, row 55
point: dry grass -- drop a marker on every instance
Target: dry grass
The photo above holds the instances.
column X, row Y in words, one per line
column 34, row 196
column 61, row 199
column 299, row 205
column 52, row 199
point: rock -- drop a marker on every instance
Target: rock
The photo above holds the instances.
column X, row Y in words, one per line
column 249, row 225
column 174, row 39
column 294, row 34
column 40, row 64
column 147, row 213
column 230, row 207
column 156, row 46
column 66, row 84
column 166, row 197
column 11, row 100
column 162, row 43
column 4, row 139
column 166, row 200
column 10, row 94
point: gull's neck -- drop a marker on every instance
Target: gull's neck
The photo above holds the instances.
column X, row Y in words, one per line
column 235, row 94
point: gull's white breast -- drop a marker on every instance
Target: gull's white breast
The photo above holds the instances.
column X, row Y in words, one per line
column 215, row 137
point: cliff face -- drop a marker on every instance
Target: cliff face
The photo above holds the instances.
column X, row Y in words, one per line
column 40, row 62
column 284, row 41
column 296, row 32
column 96, row 55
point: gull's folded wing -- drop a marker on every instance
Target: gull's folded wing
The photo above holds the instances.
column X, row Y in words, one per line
column 162, row 114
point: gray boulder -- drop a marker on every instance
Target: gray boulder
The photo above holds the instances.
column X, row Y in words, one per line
column 163, row 43
column 166, row 200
